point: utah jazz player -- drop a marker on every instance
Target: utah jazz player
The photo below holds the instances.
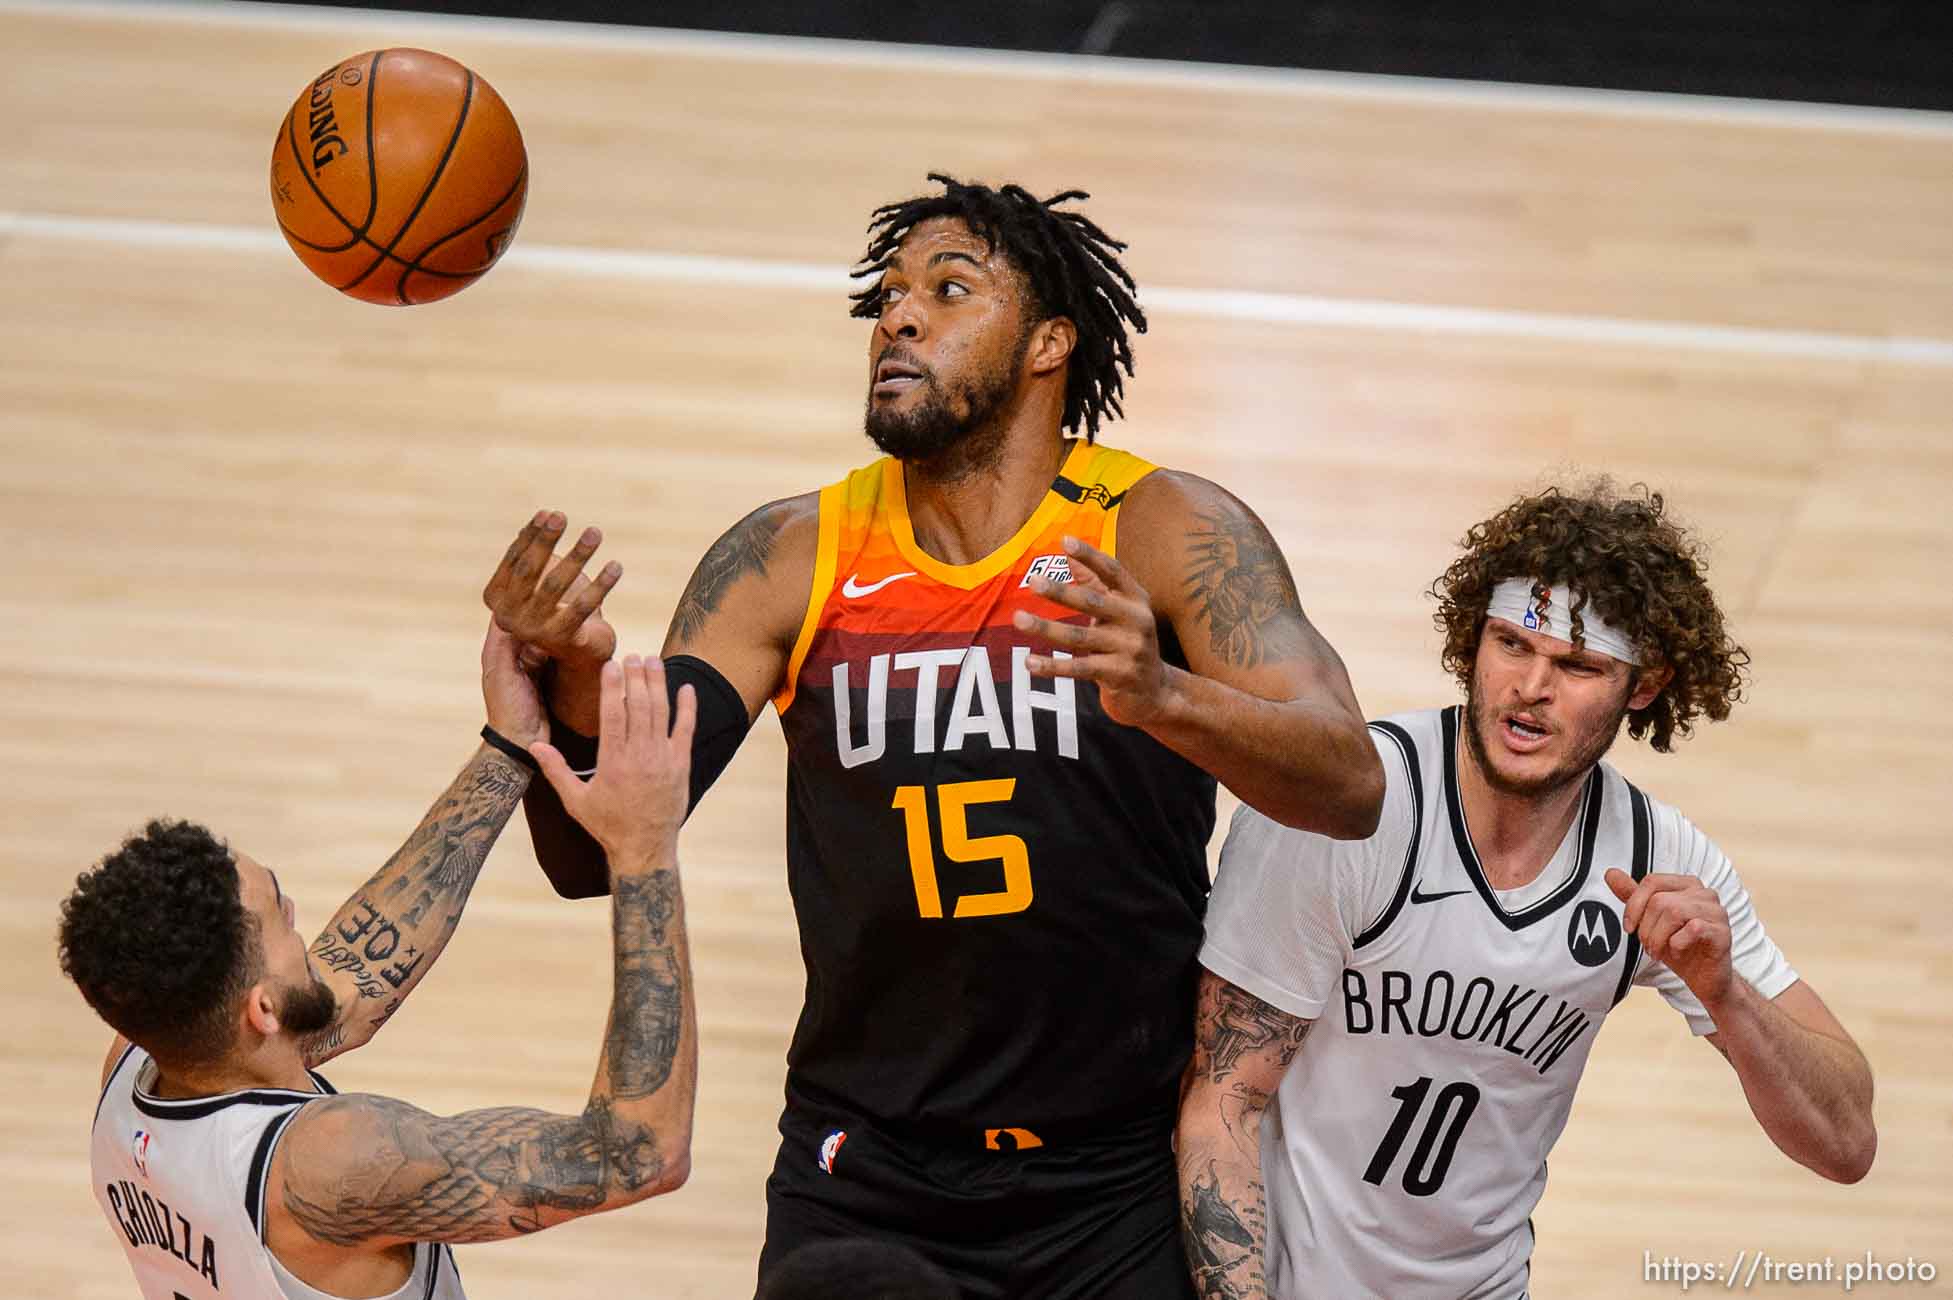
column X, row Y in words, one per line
column 1010, row 666
column 1438, row 986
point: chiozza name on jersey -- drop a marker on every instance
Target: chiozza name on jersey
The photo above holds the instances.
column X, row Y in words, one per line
column 147, row 1221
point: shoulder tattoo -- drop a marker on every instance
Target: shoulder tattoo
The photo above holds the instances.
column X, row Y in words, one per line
column 1241, row 586
column 743, row 549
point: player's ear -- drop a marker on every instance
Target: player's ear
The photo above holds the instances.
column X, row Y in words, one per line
column 261, row 1011
column 1648, row 683
column 1051, row 343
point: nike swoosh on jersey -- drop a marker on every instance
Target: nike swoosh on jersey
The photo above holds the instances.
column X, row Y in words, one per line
column 1432, row 898
column 852, row 589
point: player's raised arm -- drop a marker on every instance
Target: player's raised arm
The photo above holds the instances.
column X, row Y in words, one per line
column 1264, row 702
column 555, row 612
column 743, row 606
column 385, row 938
column 366, row 1171
column 1242, row 1046
column 730, row 636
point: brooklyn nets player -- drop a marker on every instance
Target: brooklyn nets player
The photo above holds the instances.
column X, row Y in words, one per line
column 227, row 1167
column 1437, row 986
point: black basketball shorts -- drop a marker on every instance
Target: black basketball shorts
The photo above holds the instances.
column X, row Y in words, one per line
column 1092, row 1219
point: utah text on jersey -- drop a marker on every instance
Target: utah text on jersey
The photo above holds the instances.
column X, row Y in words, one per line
column 975, row 712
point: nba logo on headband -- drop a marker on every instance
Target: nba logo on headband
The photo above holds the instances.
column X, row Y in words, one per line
column 1536, row 608
column 1528, row 602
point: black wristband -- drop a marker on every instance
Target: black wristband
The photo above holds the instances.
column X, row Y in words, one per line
column 509, row 747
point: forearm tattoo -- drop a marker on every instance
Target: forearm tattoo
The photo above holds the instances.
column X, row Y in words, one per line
column 382, row 939
column 744, row 548
column 647, row 1011
column 1224, row 1238
column 1242, row 587
column 480, row 1176
column 1240, row 1043
column 394, row 1171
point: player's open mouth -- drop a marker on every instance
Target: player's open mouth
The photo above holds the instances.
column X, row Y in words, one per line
column 893, row 378
column 1525, row 735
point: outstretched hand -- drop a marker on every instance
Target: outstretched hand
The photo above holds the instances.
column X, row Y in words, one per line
column 552, row 607
column 1681, row 923
column 1119, row 649
column 638, row 799
column 509, row 690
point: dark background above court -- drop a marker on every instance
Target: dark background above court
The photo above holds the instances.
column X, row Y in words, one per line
column 1897, row 53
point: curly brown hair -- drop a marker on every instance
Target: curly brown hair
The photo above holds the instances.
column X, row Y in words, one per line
column 1621, row 554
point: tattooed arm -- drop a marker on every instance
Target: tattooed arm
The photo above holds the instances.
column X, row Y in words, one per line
column 386, row 937
column 364, row 1171
column 740, row 612
column 356, row 1176
column 1264, row 703
column 1241, row 1048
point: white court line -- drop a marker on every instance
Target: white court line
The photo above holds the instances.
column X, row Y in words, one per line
column 1229, row 304
column 360, row 24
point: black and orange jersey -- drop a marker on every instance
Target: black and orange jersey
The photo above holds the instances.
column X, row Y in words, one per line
column 999, row 889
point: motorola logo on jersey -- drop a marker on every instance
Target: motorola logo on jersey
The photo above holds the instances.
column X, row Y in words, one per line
column 1594, row 933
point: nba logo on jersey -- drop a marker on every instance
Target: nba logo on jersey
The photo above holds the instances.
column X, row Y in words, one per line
column 1536, row 608
column 830, row 1148
column 139, row 1151
column 1055, row 567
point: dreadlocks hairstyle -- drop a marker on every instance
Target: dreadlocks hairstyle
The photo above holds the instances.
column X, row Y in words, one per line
column 1622, row 555
column 158, row 941
column 1070, row 265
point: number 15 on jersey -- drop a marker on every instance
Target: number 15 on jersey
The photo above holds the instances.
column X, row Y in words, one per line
column 952, row 807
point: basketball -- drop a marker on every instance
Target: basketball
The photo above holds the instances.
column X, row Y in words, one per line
column 399, row 176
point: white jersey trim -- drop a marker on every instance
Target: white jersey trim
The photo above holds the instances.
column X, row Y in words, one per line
column 1587, row 819
column 1247, row 978
column 1407, row 754
column 109, row 1082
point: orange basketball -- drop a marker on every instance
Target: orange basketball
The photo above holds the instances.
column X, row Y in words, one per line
column 399, row 176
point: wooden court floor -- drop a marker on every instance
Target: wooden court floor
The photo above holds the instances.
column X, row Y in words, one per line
column 244, row 523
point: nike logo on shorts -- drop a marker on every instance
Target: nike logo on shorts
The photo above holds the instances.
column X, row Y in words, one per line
column 853, row 590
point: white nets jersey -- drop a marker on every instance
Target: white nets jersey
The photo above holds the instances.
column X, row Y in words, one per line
column 183, row 1184
column 1407, row 1145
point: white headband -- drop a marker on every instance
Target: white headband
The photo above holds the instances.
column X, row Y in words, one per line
column 1512, row 600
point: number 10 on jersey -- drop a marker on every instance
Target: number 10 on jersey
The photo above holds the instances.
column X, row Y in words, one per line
column 952, row 814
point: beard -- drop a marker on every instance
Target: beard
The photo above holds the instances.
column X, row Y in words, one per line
column 1587, row 749
column 933, row 431
column 307, row 1008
